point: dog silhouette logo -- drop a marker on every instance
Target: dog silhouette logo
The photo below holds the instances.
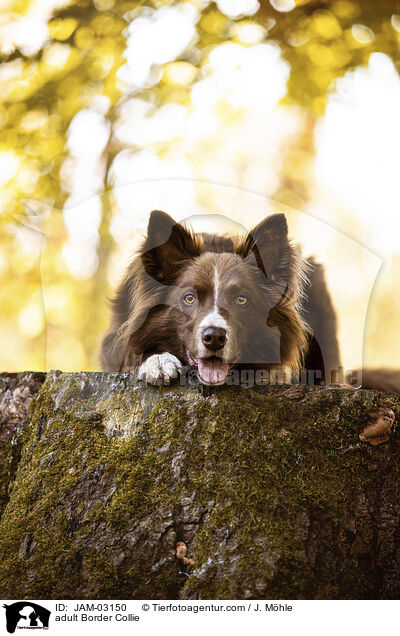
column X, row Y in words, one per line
column 26, row 615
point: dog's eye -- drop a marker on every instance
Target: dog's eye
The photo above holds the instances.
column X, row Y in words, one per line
column 189, row 299
column 241, row 300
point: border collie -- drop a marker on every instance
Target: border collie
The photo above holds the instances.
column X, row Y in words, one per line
column 220, row 302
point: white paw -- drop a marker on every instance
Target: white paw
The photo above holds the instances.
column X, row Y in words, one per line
column 160, row 368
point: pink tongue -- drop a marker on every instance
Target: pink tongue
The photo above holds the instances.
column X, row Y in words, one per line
column 213, row 371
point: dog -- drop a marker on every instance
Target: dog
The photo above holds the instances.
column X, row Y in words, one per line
column 216, row 303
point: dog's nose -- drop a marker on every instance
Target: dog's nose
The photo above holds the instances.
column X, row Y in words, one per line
column 214, row 338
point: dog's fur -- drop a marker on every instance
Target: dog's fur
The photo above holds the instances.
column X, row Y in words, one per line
column 216, row 302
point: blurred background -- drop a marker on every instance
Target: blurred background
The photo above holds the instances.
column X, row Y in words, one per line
column 237, row 108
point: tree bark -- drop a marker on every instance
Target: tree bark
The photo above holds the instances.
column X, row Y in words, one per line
column 269, row 488
column 16, row 393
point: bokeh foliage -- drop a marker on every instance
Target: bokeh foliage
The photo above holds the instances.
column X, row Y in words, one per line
column 77, row 65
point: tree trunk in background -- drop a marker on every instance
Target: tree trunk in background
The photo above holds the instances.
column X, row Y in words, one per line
column 270, row 489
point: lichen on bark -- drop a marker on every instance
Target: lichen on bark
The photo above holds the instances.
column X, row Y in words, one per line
column 273, row 494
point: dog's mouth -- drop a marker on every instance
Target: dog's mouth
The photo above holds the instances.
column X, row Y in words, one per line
column 212, row 370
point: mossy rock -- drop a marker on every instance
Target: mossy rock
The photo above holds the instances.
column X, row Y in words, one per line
column 16, row 393
column 271, row 491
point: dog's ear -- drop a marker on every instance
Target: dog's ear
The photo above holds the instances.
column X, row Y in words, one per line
column 268, row 244
column 168, row 246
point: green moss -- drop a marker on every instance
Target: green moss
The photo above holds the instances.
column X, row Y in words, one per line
column 105, row 468
column 16, row 391
column 10, row 455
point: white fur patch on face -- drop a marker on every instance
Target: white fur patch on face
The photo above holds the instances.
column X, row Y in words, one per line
column 214, row 319
column 160, row 368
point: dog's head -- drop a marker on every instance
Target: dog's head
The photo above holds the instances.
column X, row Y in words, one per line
column 227, row 301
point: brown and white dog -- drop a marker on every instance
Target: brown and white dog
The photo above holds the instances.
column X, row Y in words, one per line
column 218, row 302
